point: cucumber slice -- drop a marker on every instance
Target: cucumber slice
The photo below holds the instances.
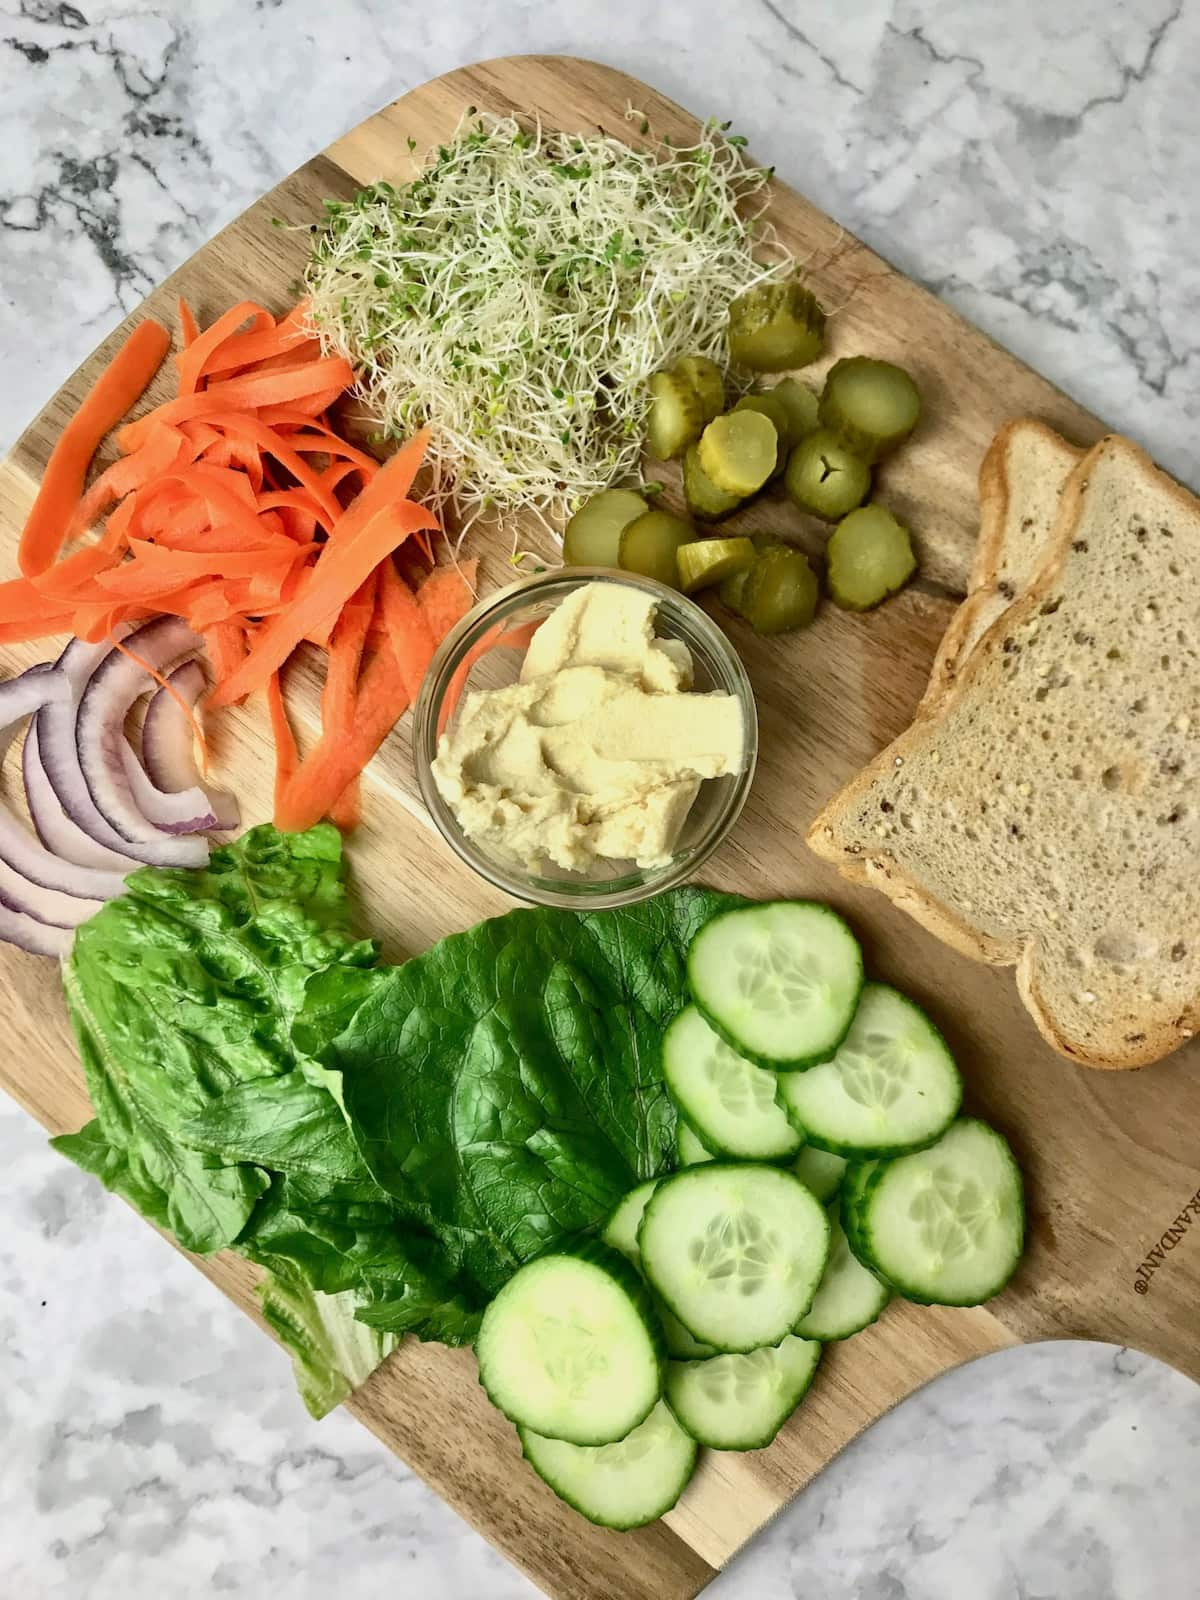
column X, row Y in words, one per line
column 620, row 1233
column 946, row 1225
column 821, row 1171
column 741, row 1402
column 872, row 405
column 892, row 1086
column 775, row 326
column 592, row 538
column 824, row 478
column 728, row 1100
column 736, row 1251
column 855, row 1184
column 708, row 561
column 800, row 402
column 622, row 1485
column 738, row 451
column 675, row 417
column 571, row 1346
column 707, row 383
column 704, row 499
column 692, row 1149
column 650, row 544
column 849, row 1299
column 869, row 557
column 779, row 981
column 781, row 592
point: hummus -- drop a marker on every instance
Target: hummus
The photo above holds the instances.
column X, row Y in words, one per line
column 599, row 750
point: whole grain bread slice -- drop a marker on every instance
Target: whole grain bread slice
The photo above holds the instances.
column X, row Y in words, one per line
column 1045, row 811
column 1021, row 483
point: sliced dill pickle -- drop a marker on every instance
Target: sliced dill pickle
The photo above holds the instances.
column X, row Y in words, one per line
column 826, row 479
column 650, row 545
column 734, row 588
column 703, row 497
column 871, row 405
column 738, row 451
column 800, row 402
column 869, row 557
column 707, row 383
column 675, row 417
column 776, row 413
column 776, row 326
column 781, row 592
column 592, row 538
column 708, row 561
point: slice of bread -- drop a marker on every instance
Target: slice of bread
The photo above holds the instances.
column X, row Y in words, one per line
column 1020, row 485
column 1045, row 811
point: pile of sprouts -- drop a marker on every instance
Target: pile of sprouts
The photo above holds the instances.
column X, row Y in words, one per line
column 517, row 294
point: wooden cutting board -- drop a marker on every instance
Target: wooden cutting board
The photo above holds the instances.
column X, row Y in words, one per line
column 1111, row 1159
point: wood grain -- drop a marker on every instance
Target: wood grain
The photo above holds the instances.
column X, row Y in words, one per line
column 1111, row 1159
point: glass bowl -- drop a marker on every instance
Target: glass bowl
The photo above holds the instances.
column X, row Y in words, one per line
column 480, row 654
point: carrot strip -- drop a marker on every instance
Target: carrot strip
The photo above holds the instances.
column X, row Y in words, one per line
column 188, row 331
column 19, row 629
column 408, row 629
column 226, row 644
column 286, row 754
column 446, row 596
column 315, row 382
column 163, row 448
column 322, row 776
column 366, row 535
column 122, row 382
column 191, row 360
column 255, row 347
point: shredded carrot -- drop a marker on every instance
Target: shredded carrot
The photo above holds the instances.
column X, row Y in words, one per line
column 122, row 382
column 286, row 755
column 240, row 508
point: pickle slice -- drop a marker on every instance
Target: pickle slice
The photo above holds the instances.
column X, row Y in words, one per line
column 800, row 402
column 708, row 561
column 776, row 326
column 703, row 497
column 869, row 557
column 650, row 545
column 675, row 418
column 738, row 451
column 826, row 479
column 871, row 405
column 776, row 413
column 734, row 588
column 706, row 381
column 781, row 592
column 592, row 538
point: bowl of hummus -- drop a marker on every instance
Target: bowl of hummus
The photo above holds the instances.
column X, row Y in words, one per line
column 585, row 738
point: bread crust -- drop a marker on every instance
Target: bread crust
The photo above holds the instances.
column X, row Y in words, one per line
column 864, row 862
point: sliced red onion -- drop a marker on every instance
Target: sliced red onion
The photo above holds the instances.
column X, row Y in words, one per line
column 170, row 790
column 27, row 933
column 60, row 803
column 110, row 691
column 60, row 834
column 36, row 886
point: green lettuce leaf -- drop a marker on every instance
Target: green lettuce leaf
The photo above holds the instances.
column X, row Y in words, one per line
column 332, row 1352
column 186, row 987
column 505, row 1088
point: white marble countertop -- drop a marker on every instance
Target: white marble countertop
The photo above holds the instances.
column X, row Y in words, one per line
column 1034, row 163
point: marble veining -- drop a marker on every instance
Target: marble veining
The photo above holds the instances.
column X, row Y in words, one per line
column 1033, row 164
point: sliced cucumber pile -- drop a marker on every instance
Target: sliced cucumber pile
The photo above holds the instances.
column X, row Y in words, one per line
column 850, row 1297
column 946, row 1225
column 892, row 1086
column 728, row 1100
column 735, row 1250
column 740, row 1402
column 820, row 1170
column 805, row 1199
column 621, row 1233
column 572, row 1348
column 691, row 1148
column 779, row 982
column 622, row 1485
